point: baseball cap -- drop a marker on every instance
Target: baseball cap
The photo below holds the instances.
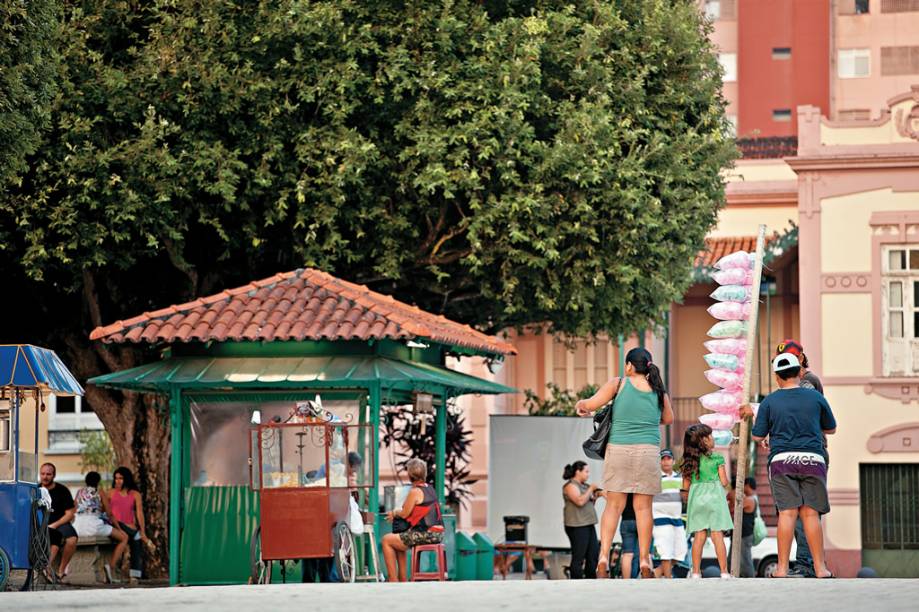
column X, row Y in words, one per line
column 666, row 453
column 789, row 346
column 785, row 361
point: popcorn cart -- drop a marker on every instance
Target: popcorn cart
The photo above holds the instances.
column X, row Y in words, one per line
column 303, row 474
column 26, row 373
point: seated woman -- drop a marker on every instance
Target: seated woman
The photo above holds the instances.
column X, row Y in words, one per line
column 421, row 512
column 90, row 520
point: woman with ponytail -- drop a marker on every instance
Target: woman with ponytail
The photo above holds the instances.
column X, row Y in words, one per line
column 632, row 461
column 580, row 518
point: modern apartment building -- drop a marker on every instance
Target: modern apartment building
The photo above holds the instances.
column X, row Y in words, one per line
column 845, row 56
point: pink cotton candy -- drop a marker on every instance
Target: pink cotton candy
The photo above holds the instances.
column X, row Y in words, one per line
column 730, row 311
column 737, row 260
column 734, row 276
column 725, row 379
column 725, row 402
column 729, row 346
column 716, row 420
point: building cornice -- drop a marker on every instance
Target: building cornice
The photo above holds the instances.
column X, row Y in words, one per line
column 863, row 161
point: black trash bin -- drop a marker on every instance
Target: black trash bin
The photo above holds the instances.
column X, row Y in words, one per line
column 515, row 528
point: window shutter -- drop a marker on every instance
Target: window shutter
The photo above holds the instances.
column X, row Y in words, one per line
column 899, row 60
column 855, row 114
column 899, row 6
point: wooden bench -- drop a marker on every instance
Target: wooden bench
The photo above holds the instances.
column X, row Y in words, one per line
column 86, row 566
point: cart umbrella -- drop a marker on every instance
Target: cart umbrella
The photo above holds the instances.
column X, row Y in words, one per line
column 30, row 367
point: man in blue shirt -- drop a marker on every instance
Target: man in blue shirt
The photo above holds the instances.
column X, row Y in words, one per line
column 795, row 420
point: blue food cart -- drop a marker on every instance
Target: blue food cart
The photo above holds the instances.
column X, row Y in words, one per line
column 26, row 373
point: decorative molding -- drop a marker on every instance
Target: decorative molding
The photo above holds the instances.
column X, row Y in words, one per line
column 902, row 438
column 846, row 282
column 906, row 391
column 908, row 123
column 844, row 497
column 902, row 156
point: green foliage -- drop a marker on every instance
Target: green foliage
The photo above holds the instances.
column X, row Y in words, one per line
column 97, row 453
column 559, row 403
column 403, row 432
column 27, row 79
column 501, row 163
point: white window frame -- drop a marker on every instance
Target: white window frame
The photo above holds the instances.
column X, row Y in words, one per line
column 66, row 427
column 847, row 63
column 712, row 9
column 900, row 354
column 728, row 63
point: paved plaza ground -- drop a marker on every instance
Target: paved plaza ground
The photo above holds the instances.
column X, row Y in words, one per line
column 659, row 595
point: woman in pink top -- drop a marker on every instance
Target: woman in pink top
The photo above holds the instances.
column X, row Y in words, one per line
column 128, row 510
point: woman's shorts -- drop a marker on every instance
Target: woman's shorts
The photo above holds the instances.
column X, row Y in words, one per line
column 90, row 525
column 632, row 468
column 414, row 538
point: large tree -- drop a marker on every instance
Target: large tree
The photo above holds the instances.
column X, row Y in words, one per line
column 27, row 79
column 499, row 162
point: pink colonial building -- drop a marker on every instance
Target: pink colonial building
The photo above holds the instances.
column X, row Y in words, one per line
column 841, row 203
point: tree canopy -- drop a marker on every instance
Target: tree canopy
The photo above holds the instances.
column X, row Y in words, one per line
column 501, row 163
column 27, row 79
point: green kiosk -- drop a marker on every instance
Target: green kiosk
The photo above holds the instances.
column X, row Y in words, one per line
column 257, row 354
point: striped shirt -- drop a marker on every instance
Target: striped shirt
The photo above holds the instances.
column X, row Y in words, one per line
column 668, row 503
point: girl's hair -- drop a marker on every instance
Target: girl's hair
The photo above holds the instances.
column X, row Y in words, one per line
column 92, row 479
column 127, row 477
column 693, row 449
column 573, row 468
column 641, row 360
column 417, row 470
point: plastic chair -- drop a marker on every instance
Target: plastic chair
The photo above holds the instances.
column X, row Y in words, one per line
column 440, row 554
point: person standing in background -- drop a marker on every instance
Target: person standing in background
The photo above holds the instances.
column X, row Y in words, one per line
column 667, row 510
column 628, row 531
column 580, row 517
column 750, row 503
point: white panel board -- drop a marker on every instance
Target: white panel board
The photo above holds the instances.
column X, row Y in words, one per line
column 527, row 455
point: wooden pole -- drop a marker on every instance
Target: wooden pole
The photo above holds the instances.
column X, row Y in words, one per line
column 743, row 450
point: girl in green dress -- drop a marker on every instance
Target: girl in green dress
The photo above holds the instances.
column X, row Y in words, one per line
column 704, row 475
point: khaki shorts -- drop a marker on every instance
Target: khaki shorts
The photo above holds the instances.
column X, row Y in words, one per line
column 632, row 468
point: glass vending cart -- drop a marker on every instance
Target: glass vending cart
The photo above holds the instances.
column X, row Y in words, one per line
column 303, row 474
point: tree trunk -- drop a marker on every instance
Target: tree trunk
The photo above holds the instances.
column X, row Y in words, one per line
column 138, row 425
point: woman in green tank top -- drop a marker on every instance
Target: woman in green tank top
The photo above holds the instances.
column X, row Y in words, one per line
column 632, row 462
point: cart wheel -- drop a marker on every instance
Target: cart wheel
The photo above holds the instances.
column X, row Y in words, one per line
column 5, row 569
column 261, row 569
column 344, row 552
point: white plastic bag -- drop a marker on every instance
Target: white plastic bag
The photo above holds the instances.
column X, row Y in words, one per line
column 355, row 519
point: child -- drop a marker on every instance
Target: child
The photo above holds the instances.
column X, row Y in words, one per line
column 707, row 509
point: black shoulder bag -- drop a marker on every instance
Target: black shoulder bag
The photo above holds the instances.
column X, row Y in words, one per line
column 595, row 445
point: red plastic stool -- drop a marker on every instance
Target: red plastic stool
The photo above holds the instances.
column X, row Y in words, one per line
column 440, row 573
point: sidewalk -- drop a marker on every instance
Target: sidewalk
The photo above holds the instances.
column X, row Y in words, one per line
column 708, row 595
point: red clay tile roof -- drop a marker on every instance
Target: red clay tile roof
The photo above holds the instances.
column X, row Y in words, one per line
column 302, row 305
column 716, row 248
column 768, row 147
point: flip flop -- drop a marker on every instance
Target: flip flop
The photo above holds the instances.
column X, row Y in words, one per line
column 832, row 575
